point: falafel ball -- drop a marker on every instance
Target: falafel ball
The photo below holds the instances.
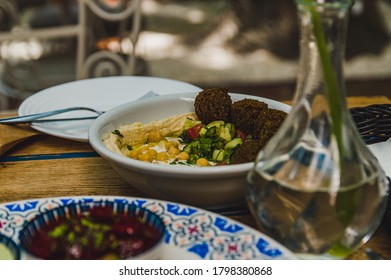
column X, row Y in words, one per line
column 267, row 124
column 246, row 112
column 213, row 104
column 247, row 152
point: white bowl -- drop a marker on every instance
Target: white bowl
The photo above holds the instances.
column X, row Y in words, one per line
column 207, row 187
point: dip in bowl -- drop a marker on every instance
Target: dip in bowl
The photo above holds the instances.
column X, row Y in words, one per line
column 94, row 230
column 207, row 187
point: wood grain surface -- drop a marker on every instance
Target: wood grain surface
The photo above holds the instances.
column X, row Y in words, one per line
column 46, row 166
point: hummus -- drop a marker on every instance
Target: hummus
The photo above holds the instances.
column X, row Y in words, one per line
column 137, row 133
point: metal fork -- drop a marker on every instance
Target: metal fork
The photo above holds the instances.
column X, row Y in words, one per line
column 39, row 117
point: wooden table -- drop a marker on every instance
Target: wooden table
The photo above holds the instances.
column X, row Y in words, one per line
column 46, row 166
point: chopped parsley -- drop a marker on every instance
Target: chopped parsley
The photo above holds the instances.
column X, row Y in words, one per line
column 117, row 132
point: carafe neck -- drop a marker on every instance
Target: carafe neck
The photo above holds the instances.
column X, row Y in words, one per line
column 323, row 30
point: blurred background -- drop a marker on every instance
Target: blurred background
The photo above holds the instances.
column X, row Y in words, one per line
column 248, row 46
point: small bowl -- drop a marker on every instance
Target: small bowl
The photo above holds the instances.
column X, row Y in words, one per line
column 29, row 235
column 9, row 250
column 205, row 187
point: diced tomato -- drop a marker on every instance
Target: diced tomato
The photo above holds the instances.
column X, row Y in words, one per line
column 194, row 132
column 241, row 134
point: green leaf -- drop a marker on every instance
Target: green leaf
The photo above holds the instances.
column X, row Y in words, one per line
column 332, row 88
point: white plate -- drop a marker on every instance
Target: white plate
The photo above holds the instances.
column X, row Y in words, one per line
column 192, row 233
column 99, row 93
column 382, row 151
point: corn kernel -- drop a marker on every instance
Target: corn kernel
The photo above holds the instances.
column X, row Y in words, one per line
column 143, row 149
column 133, row 154
column 173, row 151
column 145, row 157
column 170, row 144
column 183, row 156
column 202, row 162
column 161, row 156
column 173, row 156
column 162, row 142
column 152, row 153
column 155, row 136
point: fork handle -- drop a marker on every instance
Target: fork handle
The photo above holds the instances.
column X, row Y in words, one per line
column 47, row 120
column 38, row 116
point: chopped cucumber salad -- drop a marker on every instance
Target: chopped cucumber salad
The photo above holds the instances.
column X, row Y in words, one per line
column 216, row 141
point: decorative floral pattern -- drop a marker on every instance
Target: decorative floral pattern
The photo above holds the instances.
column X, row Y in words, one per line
column 197, row 233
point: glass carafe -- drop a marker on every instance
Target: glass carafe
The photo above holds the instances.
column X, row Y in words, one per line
column 316, row 187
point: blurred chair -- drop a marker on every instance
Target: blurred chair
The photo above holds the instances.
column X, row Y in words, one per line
column 31, row 43
column 108, row 37
column 48, row 42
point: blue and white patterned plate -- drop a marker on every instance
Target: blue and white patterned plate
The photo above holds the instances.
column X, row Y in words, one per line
column 192, row 233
